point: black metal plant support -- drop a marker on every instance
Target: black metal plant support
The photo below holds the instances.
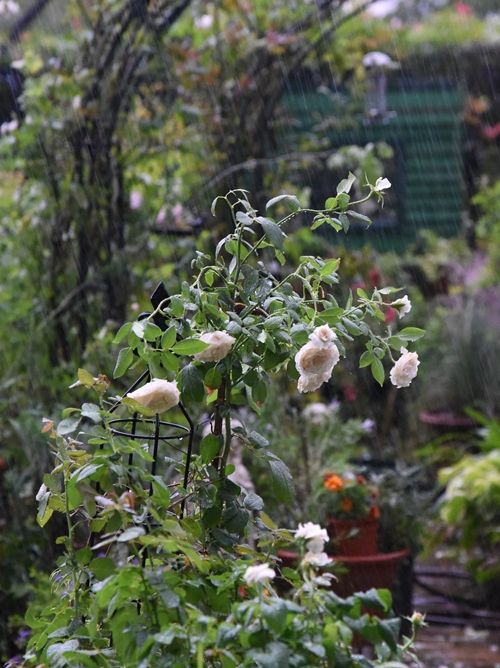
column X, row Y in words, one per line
column 127, row 427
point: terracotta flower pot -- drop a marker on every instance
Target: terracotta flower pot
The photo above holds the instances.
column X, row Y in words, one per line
column 353, row 538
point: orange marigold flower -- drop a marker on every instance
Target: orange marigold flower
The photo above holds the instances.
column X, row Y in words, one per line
column 333, row 483
column 346, row 504
column 374, row 512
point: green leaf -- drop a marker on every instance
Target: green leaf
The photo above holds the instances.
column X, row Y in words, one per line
column 346, row 184
column 102, row 567
column 253, row 502
column 214, row 204
column 345, row 222
column 395, row 342
column 280, row 198
column 259, row 392
column 151, row 331
column 331, row 315
column 92, row 412
column 209, row 277
column 330, row 267
column 67, row 426
column 380, row 599
column 359, row 216
column 282, row 480
column 272, row 231
column 85, row 378
column 189, row 347
column 318, row 221
column 378, row 371
column 177, row 307
column 85, row 472
column 213, row 378
column 331, row 203
column 210, row 447
column 170, row 361
column 343, row 201
column 130, row 534
column 122, row 333
column 365, row 359
column 124, row 361
column 335, row 223
column 191, row 383
column 275, row 615
column 411, row 333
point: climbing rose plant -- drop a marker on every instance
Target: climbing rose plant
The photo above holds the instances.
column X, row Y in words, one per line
column 166, row 569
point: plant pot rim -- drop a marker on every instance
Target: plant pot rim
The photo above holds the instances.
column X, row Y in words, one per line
column 352, row 522
column 380, row 558
column 446, row 419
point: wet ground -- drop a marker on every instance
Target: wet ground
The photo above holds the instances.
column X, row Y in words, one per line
column 451, row 647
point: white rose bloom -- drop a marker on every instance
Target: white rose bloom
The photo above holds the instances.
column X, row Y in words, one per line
column 309, row 383
column 219, row 344
column 405, row 369
column 381, row 184
column 260, row 574
column 323, row 335
column 316, row 559
column 316, row 545
column 403, row 306
column 310, row 531
column 158, row 395
column 316, row 359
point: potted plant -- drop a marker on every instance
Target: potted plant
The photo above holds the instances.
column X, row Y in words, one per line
column 350, row 505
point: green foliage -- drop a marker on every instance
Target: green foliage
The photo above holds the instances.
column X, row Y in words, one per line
column 152, row 571
column 471, row 503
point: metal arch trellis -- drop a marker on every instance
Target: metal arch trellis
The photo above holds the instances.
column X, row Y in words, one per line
column 127, row 427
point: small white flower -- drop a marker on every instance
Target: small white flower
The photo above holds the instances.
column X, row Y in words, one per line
column 405, row 369
column 316, row 559
column 135, row 200
column 41, row 492
column 204, row 22
column 316, row 359
column 259, row 574
column 368, row 425
column 403, row 306
column 219, row 345
column 9, row 127
column 158, row 395
column 381, row 184
column 76, row 103
column 310, row 531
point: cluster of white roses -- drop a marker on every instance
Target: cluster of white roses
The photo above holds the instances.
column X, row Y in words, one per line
column 315, row 538
column 316, row 359
column 315, row 362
